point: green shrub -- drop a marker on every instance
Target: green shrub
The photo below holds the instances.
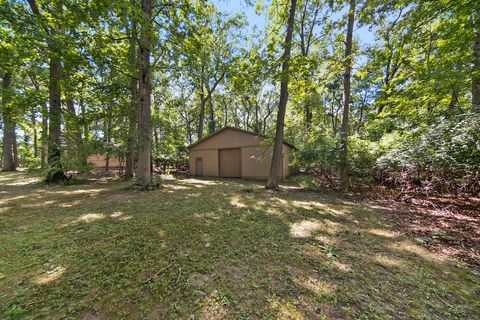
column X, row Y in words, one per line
column 442, row 157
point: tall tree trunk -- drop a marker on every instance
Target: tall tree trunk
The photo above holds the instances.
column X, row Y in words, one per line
column 55, row 121
column 201, row 117
column 15, row 149
column 35, row 134
column 256, row 128
column 144, row 173
column 84, row 135
column 8, row 163
column 344, row 179
column 476, row 61
column 189, row 129
column 74, row 130
column 308, row 116
column 276, row 166
column 44, row 128
column 211, row 123
column 84, row 121
column 133, row 108
column 44, row 135
column 107, row 135
column 156, row 140
column 225, row 110
column 55, row 110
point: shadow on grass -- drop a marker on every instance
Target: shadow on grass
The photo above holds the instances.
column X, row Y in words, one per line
column 214, row 250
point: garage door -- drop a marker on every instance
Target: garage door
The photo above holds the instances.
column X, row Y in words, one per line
column 230, row 163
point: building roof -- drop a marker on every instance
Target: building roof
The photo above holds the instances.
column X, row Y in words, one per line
column 236, row 129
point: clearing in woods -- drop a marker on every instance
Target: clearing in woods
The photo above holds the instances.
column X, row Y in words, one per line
column 214, row 249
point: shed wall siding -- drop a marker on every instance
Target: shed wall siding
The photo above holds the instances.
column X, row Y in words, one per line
column 228, row 139
column 256, row 162
column 99, row 160
column 210, row 162
column 286, row 161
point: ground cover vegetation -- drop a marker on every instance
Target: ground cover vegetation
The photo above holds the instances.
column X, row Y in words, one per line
column 102, row 250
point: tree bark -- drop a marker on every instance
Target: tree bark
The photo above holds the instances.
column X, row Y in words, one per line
column 55, row 111
column 15, row 149
column 344, row 174
column 133, row 107
column 156, row 141
column 201, row 117
column 55, row 120
column 225, row 113
column 44, row 135
column 189, row 132
column 44, row 128
column 211, row 123
column 308, row 116
column 107, row 135
column 8, row 161
column 132, row 130
column 276, row 166
column 74, row 130
column 35, row 134
column 85, row 129
column 256, row 128
column 84, row 135
column 144, row 173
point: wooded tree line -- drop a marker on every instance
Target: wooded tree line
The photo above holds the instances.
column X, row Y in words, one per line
column 142, row 79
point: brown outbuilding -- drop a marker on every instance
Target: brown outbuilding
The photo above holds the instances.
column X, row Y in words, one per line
column 100, row 162
column 235, row 153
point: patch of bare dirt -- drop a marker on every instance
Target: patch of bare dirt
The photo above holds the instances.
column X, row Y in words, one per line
column 447, row 224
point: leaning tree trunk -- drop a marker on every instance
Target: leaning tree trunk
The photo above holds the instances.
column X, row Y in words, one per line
column 276, row 166
column 8, row 126
column 144, row 173
column 476, row 61
column 344, row 179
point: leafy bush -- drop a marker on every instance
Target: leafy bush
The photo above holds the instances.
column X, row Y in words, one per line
column 443, row 157
column 362, row 155
column 305, row 181
column 320, row 150
column 319, row 156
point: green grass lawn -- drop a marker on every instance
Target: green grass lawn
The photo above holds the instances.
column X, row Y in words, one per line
column 212, row 249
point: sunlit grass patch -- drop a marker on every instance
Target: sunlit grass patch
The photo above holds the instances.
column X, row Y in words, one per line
column 207, row 249
column 89, row 217
column 51, row 275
